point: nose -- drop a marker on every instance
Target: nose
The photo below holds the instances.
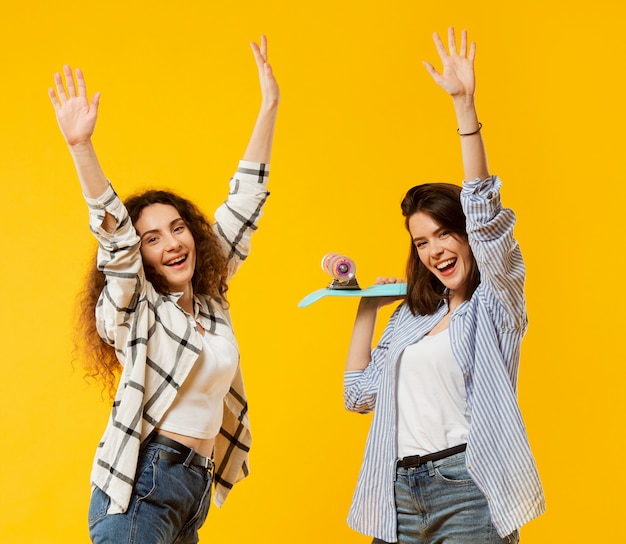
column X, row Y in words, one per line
column 436, row 248
column 172, row 243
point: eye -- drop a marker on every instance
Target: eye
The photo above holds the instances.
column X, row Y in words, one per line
column 420, row 244
column 179, row 228
column 444, row 234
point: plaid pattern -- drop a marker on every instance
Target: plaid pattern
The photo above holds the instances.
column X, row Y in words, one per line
column 158, row 344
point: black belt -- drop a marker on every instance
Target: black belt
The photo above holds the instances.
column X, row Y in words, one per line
column 186, row 456
column 418, row 460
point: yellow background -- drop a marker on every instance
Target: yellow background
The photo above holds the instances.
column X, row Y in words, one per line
column 360, row 122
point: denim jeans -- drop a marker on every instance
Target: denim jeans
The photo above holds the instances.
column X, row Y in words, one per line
column 169, row 504
column 439, row 503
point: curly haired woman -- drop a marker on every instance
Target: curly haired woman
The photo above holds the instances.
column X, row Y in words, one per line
column 157, row 316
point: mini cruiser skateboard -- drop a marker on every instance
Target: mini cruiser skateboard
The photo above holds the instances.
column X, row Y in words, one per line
column 343, row 271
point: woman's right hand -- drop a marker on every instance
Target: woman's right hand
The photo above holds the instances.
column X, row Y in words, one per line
column 76, row 116
column 77, row 121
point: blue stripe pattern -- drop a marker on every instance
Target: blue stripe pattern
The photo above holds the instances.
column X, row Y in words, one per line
column 485, row 334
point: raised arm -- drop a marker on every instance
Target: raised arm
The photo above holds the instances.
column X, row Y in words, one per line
column 76, row 116
column 458, row 80
column 260, row 145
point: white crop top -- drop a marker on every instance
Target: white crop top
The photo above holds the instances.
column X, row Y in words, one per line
column 433, row 413
column 198, row 408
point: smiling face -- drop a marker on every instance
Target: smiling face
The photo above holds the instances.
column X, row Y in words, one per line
column 167, row 245
column 446, row 255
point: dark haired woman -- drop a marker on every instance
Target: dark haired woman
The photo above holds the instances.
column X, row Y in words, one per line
column 447, row 458
column 158, row 317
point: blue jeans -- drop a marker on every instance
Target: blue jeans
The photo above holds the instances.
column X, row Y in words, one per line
column 439, row 503
column 169, row 504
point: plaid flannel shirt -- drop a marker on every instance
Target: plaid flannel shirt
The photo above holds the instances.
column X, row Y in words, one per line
column 158, row 343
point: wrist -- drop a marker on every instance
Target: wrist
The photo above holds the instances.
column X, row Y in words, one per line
column 466, row 116
column 81, row 146
column 270, row 105
column 464, row 102
column 369, row 304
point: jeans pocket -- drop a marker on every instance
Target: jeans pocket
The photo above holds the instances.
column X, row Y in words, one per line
column 147, row 477
column 454, row 473
column 98, row 506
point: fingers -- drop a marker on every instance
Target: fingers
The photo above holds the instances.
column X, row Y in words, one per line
column 269, row 87
column 472, row 52
column 53, row 98
column 451, row 40
column 80, row 80
column 452, row 46
column 60, row 89
column 69, row 81
column 258, row 58
column 432, row 71
column 260, row 51
column 381, row 280
column 63, row 95
column 255, row 50
column 95, row 101
column 441, row 50
column 264, row 47
column 463, row 50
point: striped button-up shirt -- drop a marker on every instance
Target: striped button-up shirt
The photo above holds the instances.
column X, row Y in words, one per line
column 158, row 343
column 485, row 333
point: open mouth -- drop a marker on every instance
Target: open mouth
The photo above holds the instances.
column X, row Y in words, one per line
column 446, row 266
column 177, row 261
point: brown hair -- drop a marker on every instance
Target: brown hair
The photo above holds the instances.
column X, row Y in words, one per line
column 440, row 201
column 209, row 278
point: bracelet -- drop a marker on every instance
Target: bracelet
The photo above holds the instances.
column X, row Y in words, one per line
column 480, row 125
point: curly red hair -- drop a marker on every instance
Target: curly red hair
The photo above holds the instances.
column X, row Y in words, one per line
column 211, row 272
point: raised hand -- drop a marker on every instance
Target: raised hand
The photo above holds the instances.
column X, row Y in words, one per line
column 459, row 81
column 260, row 145
column 457, row 77
column 75, row 114
column 269, row 87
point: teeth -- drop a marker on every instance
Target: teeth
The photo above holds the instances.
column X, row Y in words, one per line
column 175, row 261
column 442, row 265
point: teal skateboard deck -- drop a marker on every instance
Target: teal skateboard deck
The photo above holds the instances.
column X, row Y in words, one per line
column 383, row 290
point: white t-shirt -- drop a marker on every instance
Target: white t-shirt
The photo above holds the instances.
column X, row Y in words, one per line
column 199, row 405
column 433, row 413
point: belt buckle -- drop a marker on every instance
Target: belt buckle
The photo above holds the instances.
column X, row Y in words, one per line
column 207, row 463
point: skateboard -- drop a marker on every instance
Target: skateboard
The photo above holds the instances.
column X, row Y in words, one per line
column 344, row 284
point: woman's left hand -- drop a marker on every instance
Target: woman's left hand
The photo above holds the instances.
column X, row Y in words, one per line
column 269, row 87
column 457, row 78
